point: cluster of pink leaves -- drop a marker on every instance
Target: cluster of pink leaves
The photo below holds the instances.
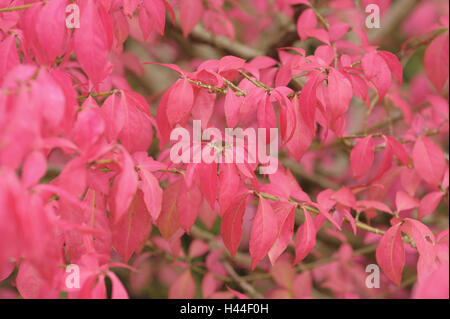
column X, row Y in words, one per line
column 107, row 196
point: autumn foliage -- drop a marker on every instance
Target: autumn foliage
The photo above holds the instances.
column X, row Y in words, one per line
column 87, row 178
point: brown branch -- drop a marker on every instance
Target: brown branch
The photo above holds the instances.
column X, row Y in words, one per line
column 242, row 282
column 200, row 35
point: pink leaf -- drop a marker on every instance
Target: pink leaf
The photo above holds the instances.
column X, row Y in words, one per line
column 425, row 243
column 232, row 106
column 209, row 178
column 307, row 21
column 305, row 239
column 231, row 225
column 8, row 55
column 133, row 229
column 117, row 290
column 339, row 92
column 302, row 285
column 377, row 72
column 152, row 193
column 371, row 204
column 361, row 157
column 283, row 274
column 394, row 64
column 180, row 102
column 390, row 254
column 429, row 203
column 344, row 196
column 429, row 161
column 229, row 185
column 436, row 61
column 33, row 169
column 303, row 131
column 157, row 12
column 434, row 286
column 285, row 214
column 168, row 221
column 136, row 134
column 264, row 232
column 404, row 202
column 91, row 43
column 198, row 248
column 191, row 11
column 188, row 204
column 386, row 163
column 230, row 63
column 398, row 150
column 183, row 287
column 124, row 188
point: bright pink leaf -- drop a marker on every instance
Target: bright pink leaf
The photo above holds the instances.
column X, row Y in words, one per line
column 361, row 157
column 264, row 232
column 429, row 161
column 305, row 239
column 390, row 254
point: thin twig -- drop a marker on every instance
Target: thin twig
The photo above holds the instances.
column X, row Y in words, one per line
column 241, row 282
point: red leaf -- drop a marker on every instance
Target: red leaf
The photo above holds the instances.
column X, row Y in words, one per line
column 230, row 63
column 231, row 225
column 361, row 157
column 398, row 150
column 232, row 106
column 339, row 92
column 305, row 239
column 210, row 180
column 422, row 236
column 153, row 193
column 91, row 43
column 404, row 202
column 117, row 289
column 183, row 287
column 285, row 214
column 303, row 131
column 157, row 12
column 302, row 285
column 306, row 21
column 377, row 72
column 136, row 134
column 283, row 274
column 344, row 196
column 429, row 203
column 436, row 61
column 168, row 221
column 229, row 185
column 429, row 161
column 393, row 63
column 390, row 254
column 8, row 56
column 124, row 188
column 264, row 232
column 191, row 11
column 188, row 204
column 180, row 102
column 33, row 169
column 198, row 248
column 132, row 231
